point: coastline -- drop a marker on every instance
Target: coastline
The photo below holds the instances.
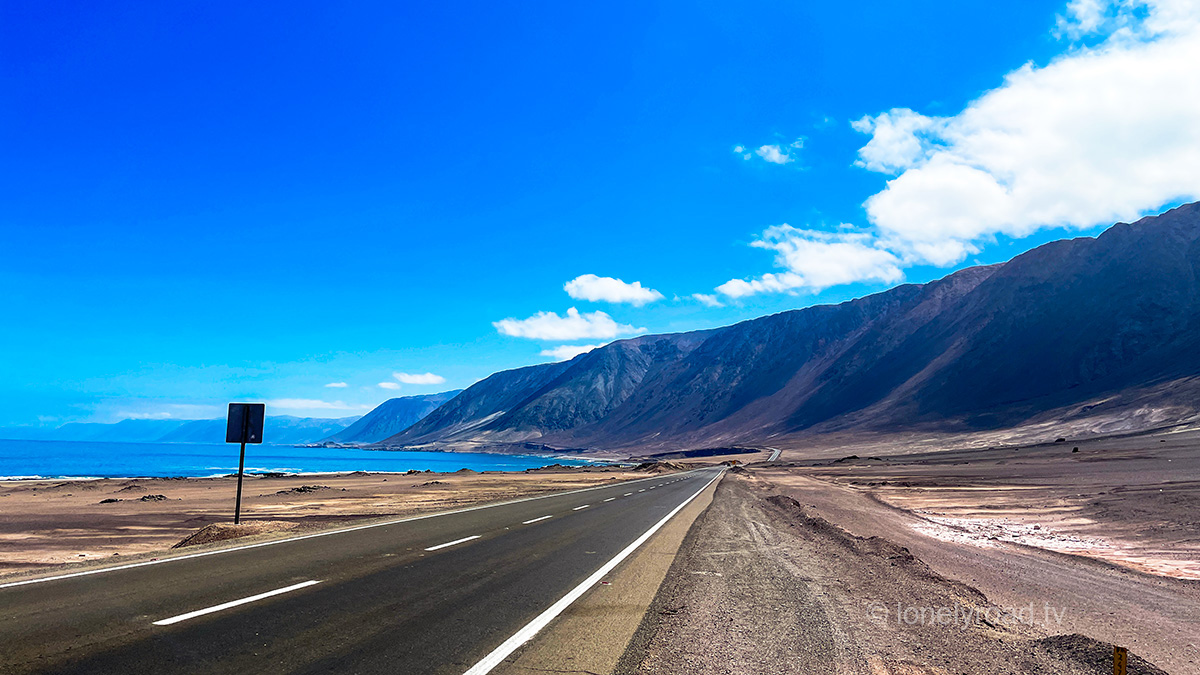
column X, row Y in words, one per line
column 79, row 460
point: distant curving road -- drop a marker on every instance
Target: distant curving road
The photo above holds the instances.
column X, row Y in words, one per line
column 446, row 593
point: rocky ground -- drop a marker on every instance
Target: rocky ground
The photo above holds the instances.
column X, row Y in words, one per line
column 766, row 584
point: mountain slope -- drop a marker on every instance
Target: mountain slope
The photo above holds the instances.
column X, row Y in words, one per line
column 391, row 417
column 1072, row 328
column 526, row 403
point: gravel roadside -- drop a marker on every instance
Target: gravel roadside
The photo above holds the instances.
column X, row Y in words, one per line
column 760, row 585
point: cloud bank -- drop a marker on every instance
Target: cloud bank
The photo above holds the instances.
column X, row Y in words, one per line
column 1103, row 133
column 1108, row 131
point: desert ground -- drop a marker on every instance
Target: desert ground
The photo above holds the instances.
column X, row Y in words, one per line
column 1006, row 560
column 1029, row 559
column 47, row 524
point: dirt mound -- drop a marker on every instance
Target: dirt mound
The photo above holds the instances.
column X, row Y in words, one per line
column 551, row 467
column 152, row 498
column 83, row 485
column 132, row 488
column 466, row 471
column 223, row 531
column 1093, row 655
column 740, row 470
column 658, row 467
column 874, row 547
column 303, row 489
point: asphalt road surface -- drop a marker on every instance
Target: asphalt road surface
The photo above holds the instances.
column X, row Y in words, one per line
column 435, row 594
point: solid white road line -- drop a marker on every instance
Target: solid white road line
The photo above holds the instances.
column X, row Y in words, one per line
column 579, row 508
column 235, row 603
column 452, row 543
column 610, row 499
column 160, row 561
column 535, row 520
column 542, row 620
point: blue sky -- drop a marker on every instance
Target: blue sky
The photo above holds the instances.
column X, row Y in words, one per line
column 205, row 202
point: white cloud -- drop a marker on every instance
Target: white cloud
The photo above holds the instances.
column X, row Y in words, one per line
column 573, row 326
column 312, row 404
column 707, row 300
column 568, row 352
column 773, row 154
column 776, row 153
column 815, row 260
column 422, row 378
column 389, row 385
column 336, row 385
column 896, row 139
column 1104, row 133
column 607, row 289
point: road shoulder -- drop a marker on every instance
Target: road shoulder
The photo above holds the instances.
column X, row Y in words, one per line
column 763, row 585
column 593, row 634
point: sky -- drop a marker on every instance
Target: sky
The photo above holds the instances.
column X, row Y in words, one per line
column 323, row 206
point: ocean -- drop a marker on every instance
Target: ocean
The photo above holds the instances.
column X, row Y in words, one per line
column 77, row 459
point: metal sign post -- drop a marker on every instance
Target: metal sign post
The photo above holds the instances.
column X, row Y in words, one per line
column 245, row 425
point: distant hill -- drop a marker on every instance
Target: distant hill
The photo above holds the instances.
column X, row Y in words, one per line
column 1102, row 333
column 391, row 417
column 282, row 429
column 130, row 431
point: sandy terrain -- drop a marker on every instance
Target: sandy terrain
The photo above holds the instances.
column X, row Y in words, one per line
column 44, row 524
column 1131, row 501
column 764, row 584
column 1108, row 536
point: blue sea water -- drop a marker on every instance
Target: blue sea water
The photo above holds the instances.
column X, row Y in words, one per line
column 69, row 459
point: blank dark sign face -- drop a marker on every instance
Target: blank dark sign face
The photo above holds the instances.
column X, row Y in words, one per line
column 245, row 423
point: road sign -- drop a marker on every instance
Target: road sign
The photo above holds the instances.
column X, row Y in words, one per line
column 245, row 425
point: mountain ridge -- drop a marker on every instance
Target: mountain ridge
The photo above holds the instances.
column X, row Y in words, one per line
column 1064, row 326
column 391, row 417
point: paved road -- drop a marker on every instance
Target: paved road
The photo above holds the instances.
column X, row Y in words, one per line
column 774, row 454
column 428, row 595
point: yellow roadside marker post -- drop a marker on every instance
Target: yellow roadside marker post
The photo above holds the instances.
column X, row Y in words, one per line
column 1120, row 660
